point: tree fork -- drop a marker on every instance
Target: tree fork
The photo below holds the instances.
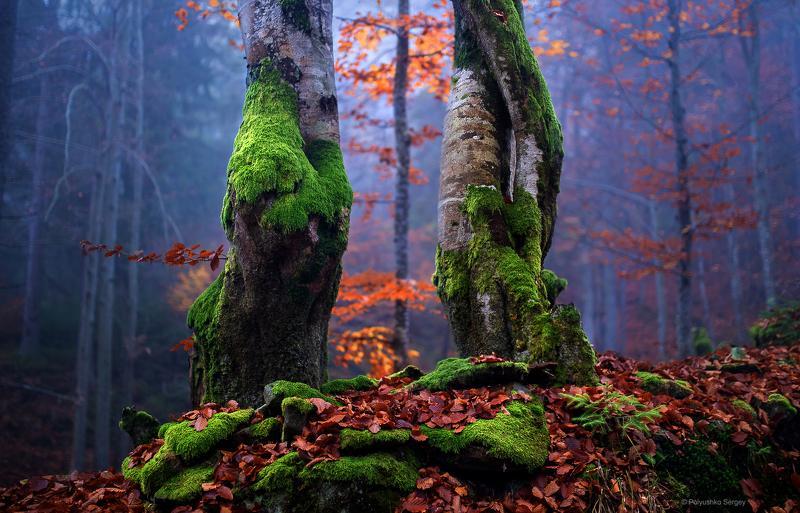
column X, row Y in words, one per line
column 286, row 213
column 501, row 165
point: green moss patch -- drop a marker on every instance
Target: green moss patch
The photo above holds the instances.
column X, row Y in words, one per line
column 150, row 476
column 340, row 386
column 453, row 373
column 378, row 470
column 780, row 404
column 357, row 440
column 744, row 406
column 267, row 429
column 185, row 486
column 658, row 385
column 279, row 476
column 520, row 437
column 190, row 445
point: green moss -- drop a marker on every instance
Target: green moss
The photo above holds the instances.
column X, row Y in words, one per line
column 340, row 386
column 150, row 476
column 356, row 440
column 185, row 486
column 553, row 284
column 296, row 404
column 781, row 403
column 656, row 384
column 140, row 425
column 375, row 470
column 410, row 371
column 453, row 373
column 204, row 312
column 296, row 13
column 270, row 156
column 191, row 445
column 521, row 437
column 277, row 391
column 744, row 406
column 164, row 427
column 280, row 475
column 558, row 337
column 707, row 474
column 267, row 429
column 702, row 342
column 780, row 325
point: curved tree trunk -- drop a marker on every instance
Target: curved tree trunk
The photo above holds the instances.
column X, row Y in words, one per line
column 501, row 164
column 285, row 212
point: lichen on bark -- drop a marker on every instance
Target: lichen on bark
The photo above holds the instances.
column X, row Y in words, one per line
column 501, row 164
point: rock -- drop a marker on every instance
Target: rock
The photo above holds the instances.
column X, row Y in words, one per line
column 296, row 412
column 658, row 385
column 140, row 425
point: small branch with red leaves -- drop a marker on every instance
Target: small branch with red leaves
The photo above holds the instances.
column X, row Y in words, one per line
column 179, row 254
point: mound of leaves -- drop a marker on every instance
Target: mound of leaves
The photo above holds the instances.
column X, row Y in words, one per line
column 646, row 439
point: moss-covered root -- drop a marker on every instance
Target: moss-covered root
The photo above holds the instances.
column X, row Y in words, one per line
column 361, row 440
column 191, row 445
column 453, row 373
column 153, row 474
column 519, row 438
column 558, row 337
column 185, row 486
column 373, row 482
column 340, row 386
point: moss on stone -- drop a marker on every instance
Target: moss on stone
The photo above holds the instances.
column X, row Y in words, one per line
column 707, row 474
column 701, row 342
column 267, row 429
column 778, row 326
column 781, row 404
column 140, row 425
column 375, row 470
column 744, row 406
column 658, row 385
column 453, row 373
column 270, row 157
column 280, row 475
column 553, row 284
column 150, row 476
column 296, row 405
column 277, row 391
column 164, row 427
column 410, row 371
column 340, row 386
column 191, row 445
column 185, row 486
column 357, row 440
column 519, row 437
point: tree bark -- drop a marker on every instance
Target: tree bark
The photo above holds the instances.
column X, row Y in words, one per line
column 286, row 213
column 684, row 207
column 735, row 270
column 401, row 201
column 29, row 344
column 751, row 49
column 8, row 35
column 610, row 308
column 501, row 164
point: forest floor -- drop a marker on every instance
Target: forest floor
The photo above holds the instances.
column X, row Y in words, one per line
column 648, row 438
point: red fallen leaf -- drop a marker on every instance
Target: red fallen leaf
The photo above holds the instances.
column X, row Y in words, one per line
column 537, row 492
column 485, row 358
column 551, row 488
column 415, row 504
column 563, row 469
column 425, row 483
column 320, row 404
column 461, row 491
column 750, row 488
column 207, row 487
column 795, row 479
column 739, row 437
column 200, row 423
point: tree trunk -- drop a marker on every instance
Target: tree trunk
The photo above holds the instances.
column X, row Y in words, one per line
column 8, row 35
column 401, row 201
column 684, row 210
column 751, row 49
column 589, row 289
column 735, row 273
column 106, row 317
column 129, row 335
column 611, row 317
column 661, row 297
column 84, row 353
column 29, row 344
column 285, row 212
column 501, row 164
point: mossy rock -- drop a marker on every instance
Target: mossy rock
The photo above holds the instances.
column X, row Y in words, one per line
column 276, row 392
column 358, row 440
column 340, row 386
column 185, row 486
column 778, row 406
column 373, row 482
column 296, row 412
column 658, row 385
column 778, row 326
column 153, row 474
column 140, row 425
column 707, row 474
column 745, row 407
column 268, row 429
column 452, row 373
column 519, row 439
column 701, row 342
column 410, row 371
column 191, row 445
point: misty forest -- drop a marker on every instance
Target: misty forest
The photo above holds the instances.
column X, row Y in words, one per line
column 400, row 256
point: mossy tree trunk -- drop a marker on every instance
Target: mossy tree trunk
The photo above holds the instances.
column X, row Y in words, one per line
column 285, row 212
column 501, row 164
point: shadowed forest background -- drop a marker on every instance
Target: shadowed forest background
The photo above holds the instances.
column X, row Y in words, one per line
column 680, row 174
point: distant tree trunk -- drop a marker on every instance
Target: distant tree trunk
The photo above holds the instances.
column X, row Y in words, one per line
column 661, row 296
column 735, row 272
column 588, row 288
column 401, row 201
column 795, row 60
column 285, row 212
column 684, row 213
column 501, row 165
column 8, row 33
column 129, row 335
column 112, row 183
column 611, row 320
column 29, row 344
column 704, row 300
column 84, row 353
column 751, row 49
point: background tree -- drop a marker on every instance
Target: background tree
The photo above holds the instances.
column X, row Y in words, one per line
column 286, row 213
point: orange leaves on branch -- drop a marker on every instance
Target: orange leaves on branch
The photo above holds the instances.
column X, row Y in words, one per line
column 186, row 344
column 372, row 343
column 205, row 10
column 360, row 292
column 178, row 255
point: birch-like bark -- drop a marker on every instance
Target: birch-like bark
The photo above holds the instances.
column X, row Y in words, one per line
column 401, row 200
column 286, row 213
column 29, row 344
column 500, row 170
